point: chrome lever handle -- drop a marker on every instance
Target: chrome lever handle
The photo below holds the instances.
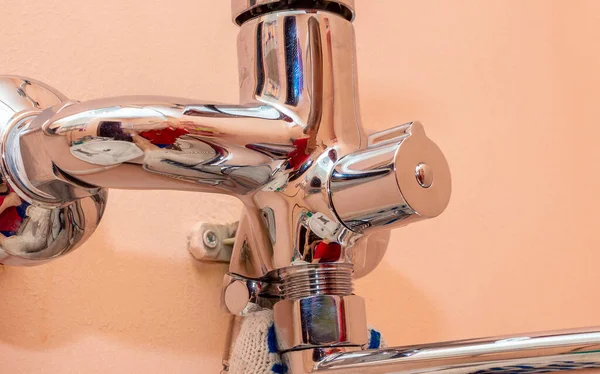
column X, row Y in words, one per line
column 401, row 177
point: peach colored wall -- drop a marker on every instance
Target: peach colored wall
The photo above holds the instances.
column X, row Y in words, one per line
column 510, row 90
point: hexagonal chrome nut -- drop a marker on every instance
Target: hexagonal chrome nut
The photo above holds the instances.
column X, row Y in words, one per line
column 323, row 320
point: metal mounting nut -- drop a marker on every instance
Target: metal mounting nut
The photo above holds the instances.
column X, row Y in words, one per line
column 314, row 321
column 212, row 242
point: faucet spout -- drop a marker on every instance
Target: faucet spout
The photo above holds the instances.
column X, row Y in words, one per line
column 154, row 143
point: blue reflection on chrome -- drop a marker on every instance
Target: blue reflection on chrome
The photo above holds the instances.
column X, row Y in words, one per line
column 293, row 62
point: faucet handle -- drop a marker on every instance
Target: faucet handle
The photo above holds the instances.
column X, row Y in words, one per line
column 402, row 176
column 32, row 229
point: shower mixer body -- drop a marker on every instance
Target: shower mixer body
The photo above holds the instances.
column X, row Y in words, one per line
column 321, row 193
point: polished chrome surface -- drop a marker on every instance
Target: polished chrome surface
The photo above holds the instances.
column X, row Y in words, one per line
column 320, row 194
column 292, row 62
column 294, row 151
column 321, row 321
column 242, row 296
column 31, row 231
column 532, row 353
column 153, row 143
column 276, row 151
column 368, row 251
column 236, row 296
column 311, row 280
column 424, row 175
column 377, row 187
column 244, row 10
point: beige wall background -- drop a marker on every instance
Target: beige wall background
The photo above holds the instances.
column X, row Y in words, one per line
column 510, row 90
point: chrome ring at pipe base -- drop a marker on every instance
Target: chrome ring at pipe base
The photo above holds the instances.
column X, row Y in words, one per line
column 244, row 10
column 318, row 309
column 314, row 280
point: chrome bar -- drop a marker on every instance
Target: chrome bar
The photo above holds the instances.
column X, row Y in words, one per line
column 529, row 353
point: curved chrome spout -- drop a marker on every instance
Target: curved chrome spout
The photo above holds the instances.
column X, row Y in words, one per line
column 154, row 143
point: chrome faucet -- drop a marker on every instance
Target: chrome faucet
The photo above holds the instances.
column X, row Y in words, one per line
column 320, row 193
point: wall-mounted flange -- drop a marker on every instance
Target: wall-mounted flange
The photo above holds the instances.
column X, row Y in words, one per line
column 212, row 242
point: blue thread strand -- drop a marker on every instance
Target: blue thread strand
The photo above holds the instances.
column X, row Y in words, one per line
column 375, row 340
column 279, row 369
column 272, row 340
